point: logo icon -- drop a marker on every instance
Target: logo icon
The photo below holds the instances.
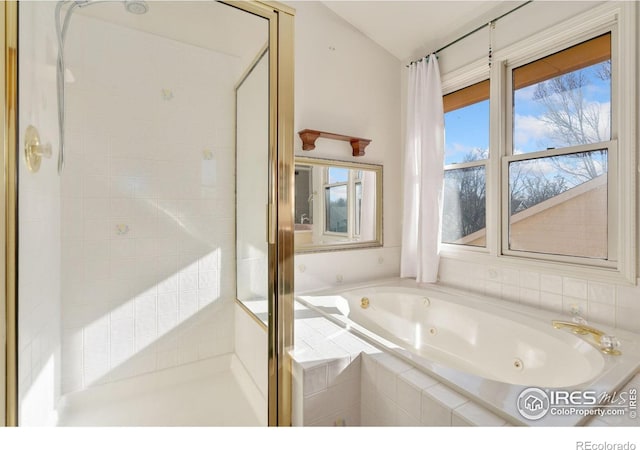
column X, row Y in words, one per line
column 533, row 403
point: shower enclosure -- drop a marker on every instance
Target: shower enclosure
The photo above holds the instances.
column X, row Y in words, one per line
column 149, row 212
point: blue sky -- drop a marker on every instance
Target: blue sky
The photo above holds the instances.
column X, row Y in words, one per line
column 467, row 129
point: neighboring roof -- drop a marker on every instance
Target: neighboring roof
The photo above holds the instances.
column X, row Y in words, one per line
column 543, row 206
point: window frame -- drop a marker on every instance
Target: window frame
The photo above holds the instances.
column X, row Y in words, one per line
column 611, row 145
column 619, row 19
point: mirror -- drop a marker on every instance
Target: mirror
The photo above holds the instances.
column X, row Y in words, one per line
column 338, row 205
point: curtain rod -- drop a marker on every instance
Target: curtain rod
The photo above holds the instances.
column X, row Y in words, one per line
column 471, row 32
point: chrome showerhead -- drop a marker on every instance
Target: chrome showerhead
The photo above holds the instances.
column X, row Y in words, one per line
column 136, row 6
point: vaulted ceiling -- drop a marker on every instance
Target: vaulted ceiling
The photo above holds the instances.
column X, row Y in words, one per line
column 409, row 29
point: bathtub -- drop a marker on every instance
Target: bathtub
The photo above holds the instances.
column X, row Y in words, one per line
column 489, row 350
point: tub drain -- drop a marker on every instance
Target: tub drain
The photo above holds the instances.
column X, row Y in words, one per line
column 433, row 331
column 518, row 364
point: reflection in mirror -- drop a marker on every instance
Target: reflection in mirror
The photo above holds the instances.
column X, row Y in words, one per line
column 338, row 205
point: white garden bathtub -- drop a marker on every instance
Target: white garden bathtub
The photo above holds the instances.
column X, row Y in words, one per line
column 487, row 349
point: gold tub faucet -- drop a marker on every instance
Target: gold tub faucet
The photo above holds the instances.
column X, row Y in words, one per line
column 607, row 344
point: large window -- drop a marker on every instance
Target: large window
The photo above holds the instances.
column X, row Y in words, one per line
column 466, row 155
column 558, row 188
column 540, row 150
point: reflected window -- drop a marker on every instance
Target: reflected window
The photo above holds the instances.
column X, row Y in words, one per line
column 336, row 212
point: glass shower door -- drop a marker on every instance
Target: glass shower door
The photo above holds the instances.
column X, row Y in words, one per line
column 134, row 250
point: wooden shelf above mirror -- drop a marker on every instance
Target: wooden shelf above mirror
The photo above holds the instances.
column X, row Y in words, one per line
column 309, row 140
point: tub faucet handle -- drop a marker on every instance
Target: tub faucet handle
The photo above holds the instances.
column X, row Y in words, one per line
column 576, row 316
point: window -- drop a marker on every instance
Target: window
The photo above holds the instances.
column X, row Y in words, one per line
column 540, row 168
column 557, row 169
column 343, row 202
column 466, row 155
column 336, row 201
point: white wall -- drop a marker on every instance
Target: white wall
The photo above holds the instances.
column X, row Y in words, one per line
column 347, row 84
column 39, row 223
column 148, row 255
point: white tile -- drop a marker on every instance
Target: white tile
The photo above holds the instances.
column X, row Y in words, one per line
column 529, row 280
column 602, row 293
column 368, row 417
column 95, row 186
column 146, row 319
column 392, row 363
column 599, row 312
column 387, row 411
column 474, row 415
column 122, row 338
column 342, row 369
column 317, row 406
column 510, row 277
column 406, row 420
column 96, row 350
column 187, row 304
column 386, row 382
column 95, row 229
column 167, row 312
column 409, row 398
column 628, row 318
column 597, row 423
column 438, row 403
column 510, row 293
column 493, row 289
column 574, row 287
column 493, row 274
column 550, row 301
column 418, row 379
column 96, row 208
column 530, row 296
column 188, row 280
column 315, row 380
column 629, row 297
column 551, row 283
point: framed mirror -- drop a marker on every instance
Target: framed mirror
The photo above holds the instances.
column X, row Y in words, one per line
column 338, row 205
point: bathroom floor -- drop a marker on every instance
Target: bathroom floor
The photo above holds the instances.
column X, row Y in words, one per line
column 216, row 392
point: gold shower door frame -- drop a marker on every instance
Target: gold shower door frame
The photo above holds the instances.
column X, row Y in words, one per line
column 281, row 195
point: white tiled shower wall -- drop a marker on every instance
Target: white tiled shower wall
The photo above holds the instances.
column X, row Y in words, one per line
column 610, row 304
column 147, row 204
column 39, row 225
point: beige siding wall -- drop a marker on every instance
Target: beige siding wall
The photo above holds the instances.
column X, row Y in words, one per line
column 575, row 227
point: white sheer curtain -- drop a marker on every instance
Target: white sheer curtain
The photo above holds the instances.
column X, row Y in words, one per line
column 423, row 173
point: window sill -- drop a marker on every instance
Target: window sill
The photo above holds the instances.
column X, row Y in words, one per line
column 482, row 256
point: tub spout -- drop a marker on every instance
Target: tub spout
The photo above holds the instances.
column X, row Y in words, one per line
column 607, row 344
